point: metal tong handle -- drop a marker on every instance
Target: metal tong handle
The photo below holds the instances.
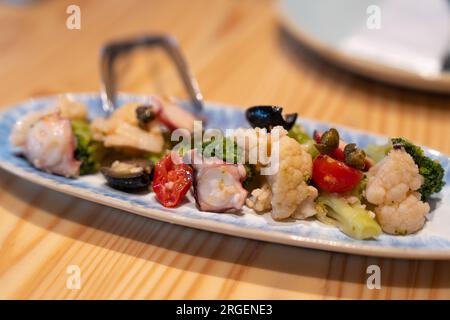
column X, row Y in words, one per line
column 113, row 49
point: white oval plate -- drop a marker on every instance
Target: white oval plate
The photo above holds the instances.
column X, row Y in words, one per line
column 433, row 242
column 407, row 50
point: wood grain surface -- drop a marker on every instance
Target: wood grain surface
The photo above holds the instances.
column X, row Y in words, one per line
column 240, row 56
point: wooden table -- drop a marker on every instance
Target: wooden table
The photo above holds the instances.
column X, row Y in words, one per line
column 239, row 56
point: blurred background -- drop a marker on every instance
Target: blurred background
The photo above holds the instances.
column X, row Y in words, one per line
column 290, row 53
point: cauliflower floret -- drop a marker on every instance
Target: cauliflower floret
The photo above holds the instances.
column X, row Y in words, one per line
column 407, row 216
column 256, row 143
column 260, row 199
column 286, row 192
column 391, row 186
column 289, row 188
column 307, row 208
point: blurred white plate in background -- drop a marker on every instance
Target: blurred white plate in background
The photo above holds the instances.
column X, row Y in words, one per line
column 405, row 42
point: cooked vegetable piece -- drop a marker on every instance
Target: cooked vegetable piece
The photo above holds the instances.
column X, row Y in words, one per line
column 329, row 143
column 171, row 180
column 299, row 134
column 155, row 157
column 224, row 149
column 291, row 194
column 352, row 219
column 334, row 176
column 250, row 175
column 430, row 169
column 377, row 152
column 338, row 154
column 392, row 186
column 88, row 151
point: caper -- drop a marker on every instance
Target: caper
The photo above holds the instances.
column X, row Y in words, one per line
column 328, row 141
column 145, row 114
column 354, row 157
column 349, row 148
column 323, row 148
column 330, row 138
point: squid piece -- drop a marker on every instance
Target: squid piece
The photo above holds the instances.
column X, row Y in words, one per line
column 175, row 117
column 50, row 145
column 218, row 186
column 22, row 127
column 65, row 107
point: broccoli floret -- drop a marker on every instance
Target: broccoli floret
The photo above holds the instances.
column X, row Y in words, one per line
column 352, row 219
column 250, row 170
column 430, row 169
column 88, row 151
column 229, row 151
column 225, row 149
column 155, row 157
column 298, row 133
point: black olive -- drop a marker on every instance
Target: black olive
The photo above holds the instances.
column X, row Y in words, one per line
column 145, row 114
column 133, row 174
column 269, row 117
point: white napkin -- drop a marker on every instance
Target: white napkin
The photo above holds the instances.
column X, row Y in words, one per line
column 414, row 35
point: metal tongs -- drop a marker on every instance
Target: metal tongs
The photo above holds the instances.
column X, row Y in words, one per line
column 112, row 50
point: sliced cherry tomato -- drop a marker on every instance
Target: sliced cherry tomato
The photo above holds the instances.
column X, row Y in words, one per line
column 171, row 180
column 338, row 154
column 332, row 175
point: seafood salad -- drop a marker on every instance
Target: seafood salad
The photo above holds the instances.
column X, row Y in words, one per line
column 271, row 167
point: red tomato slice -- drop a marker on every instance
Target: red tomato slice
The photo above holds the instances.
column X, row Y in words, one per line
column 338, row 154
column 171, row 181
column 331, row 175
